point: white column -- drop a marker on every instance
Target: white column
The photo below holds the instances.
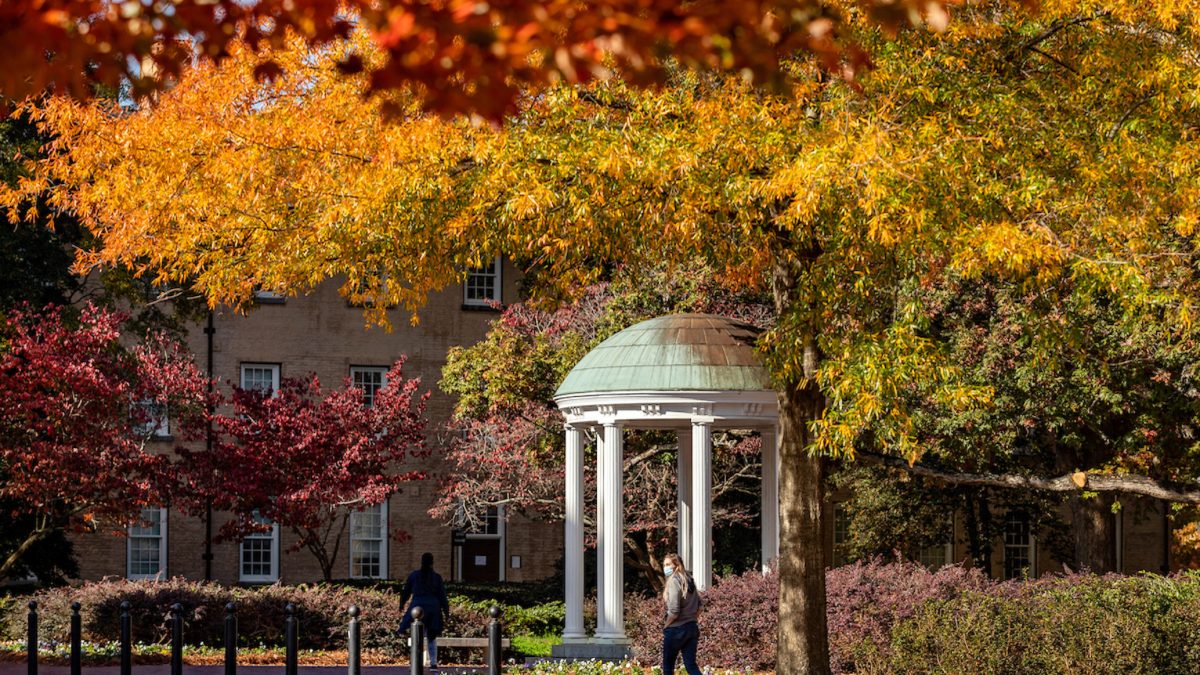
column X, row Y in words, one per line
column 683, row 491
column 601, row 543
column 770, row 497
column 573, row 541
column 702, row 504
column 614, row 526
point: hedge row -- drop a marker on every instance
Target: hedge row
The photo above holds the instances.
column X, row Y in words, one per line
column 901, row 618
column 320, row 608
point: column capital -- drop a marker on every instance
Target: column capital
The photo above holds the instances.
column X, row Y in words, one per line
column 702, row 421
column 611, row 423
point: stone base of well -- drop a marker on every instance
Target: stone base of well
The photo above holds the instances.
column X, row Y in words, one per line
column 592, row 650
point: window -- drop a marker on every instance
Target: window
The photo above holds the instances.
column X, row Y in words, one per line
column 368, row 542
column 933, row 557
column 146, row 550
column 260, row 554
column 150, row 420
column 1018, row 546
column 841, row 535
column 939, row 555
column 490, row 525
column 370, row 379
column 482, row 287
column 261, row 376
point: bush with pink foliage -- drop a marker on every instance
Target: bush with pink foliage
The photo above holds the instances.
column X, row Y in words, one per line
column 901, row 617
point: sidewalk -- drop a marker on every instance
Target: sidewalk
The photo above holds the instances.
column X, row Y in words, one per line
column 11, row 668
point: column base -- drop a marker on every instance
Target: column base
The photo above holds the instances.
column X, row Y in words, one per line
column 592, row 650
column 575, row 638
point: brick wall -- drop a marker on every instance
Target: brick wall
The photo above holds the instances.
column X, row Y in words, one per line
column 320, row 333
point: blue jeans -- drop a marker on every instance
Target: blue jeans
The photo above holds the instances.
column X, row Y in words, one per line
column 681, row 640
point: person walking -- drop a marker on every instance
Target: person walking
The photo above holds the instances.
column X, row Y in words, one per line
column 428, row 592
column 681, row 633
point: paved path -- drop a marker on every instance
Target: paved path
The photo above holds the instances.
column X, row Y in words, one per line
column 11, row 668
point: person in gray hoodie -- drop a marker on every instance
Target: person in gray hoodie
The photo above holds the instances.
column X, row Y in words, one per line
column 681, row 633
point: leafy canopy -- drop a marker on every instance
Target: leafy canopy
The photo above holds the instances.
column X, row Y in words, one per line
column 1058, row 146
column 460, row 56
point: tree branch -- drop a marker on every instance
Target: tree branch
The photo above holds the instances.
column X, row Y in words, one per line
column 10, row 562
column 1079, row 481
column 1058, row 26
column 615, row 104
column 1053, row 58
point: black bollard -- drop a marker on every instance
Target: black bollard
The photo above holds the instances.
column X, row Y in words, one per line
column 290, row 659
column 495, row 646
column 352, row 642
column 76, row 640
column 417, row 645
column 177, row 639
column 31, row 642
column 230, row 639
column 126, row 637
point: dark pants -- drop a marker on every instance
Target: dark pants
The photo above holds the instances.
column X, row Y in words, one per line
column 681, row 640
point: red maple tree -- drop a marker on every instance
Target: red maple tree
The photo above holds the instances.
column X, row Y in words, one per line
column 304, row 458
column 75, row 421
column 456, row 55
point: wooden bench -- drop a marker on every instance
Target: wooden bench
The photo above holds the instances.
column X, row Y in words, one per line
column 482, row 643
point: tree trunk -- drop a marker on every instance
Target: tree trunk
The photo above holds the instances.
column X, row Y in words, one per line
column 803, row 634
column 1094, row 532
column 1092, row 527
column 639, row 556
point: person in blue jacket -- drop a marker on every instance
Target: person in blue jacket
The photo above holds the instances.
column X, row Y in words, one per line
column 428, row 592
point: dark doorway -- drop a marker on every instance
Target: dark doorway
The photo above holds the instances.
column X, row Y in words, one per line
column 481, row 560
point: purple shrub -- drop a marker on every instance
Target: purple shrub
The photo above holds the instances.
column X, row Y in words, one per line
column 738, row 620
column 737, row 623
column 866, row 599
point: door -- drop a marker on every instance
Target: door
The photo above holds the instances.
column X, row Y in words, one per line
column 481, row 560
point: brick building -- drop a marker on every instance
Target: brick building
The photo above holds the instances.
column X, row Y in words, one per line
column 321, row 333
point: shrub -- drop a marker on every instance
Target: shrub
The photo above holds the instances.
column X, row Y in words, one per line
column 320, row 610
column 1111, row 624
column 737, row 623
column 900, row 617
column 866, row 599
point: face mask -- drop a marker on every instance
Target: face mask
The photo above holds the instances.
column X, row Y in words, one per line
column 668, row 570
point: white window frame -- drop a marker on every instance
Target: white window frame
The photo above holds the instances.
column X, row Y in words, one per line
column 1031, row 548
column 271, row 577
column 162, row 547
column 839, row 557
column 274, row 367
column 947, row 547
column 383, row 543
column 154, row 428
column 381, row 370
column 497, row 275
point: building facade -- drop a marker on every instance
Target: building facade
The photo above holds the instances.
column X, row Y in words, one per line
column 323, row 334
